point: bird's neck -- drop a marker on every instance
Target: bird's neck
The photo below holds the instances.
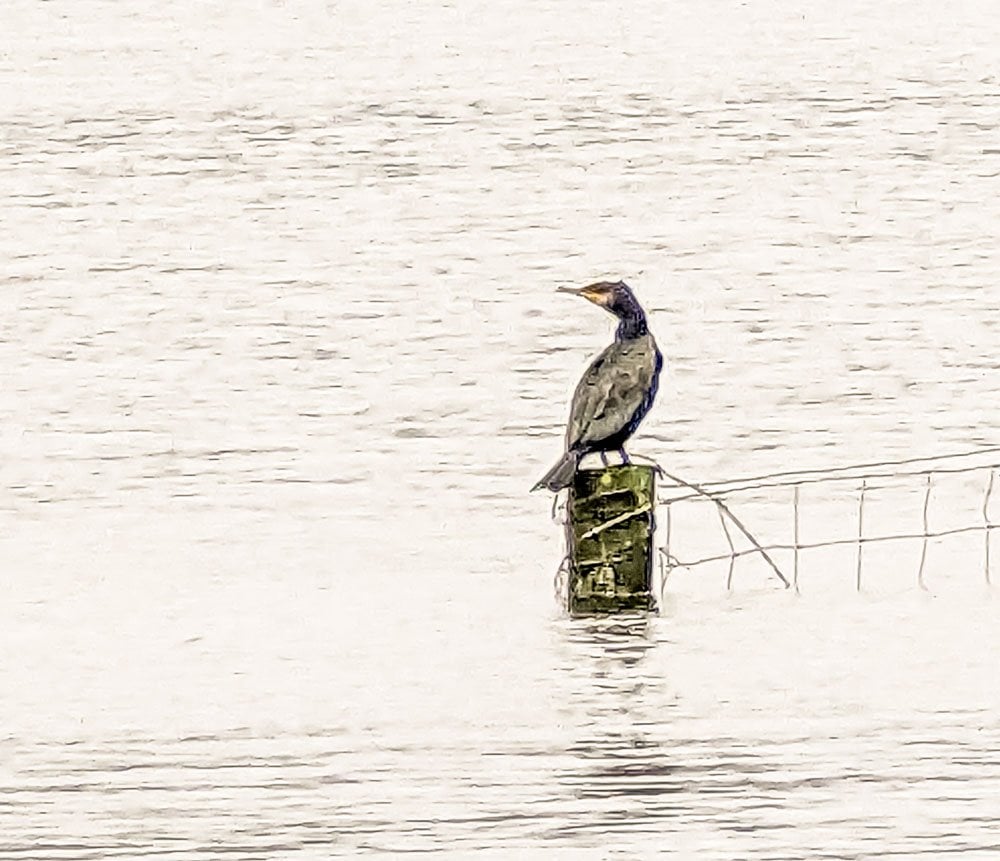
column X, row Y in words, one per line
column 633, row 323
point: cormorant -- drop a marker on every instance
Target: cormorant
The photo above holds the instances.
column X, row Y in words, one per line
column 617, row 389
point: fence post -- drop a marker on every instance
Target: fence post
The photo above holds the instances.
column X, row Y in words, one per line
column 861, row 532
column 988, row 524
column 795, row 538
column 609, row 536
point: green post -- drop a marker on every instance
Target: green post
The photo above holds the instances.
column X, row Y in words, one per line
column 609, row 535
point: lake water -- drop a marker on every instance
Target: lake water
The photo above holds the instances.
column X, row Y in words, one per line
column 281, row 355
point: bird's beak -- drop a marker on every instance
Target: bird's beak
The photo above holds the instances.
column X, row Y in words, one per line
column 587, row 292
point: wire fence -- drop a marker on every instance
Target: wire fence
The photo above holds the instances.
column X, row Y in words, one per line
column 855, row 485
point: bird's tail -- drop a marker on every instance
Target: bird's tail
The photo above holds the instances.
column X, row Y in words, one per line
column 561, row 475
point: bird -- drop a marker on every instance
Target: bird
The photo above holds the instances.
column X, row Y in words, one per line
column 616, row 391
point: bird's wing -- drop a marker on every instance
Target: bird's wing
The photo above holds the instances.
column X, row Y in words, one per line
column 612, row 389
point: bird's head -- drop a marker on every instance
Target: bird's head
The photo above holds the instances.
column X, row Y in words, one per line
column 614, row 296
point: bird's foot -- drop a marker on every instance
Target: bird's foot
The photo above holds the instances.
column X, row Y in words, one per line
column 625, row 459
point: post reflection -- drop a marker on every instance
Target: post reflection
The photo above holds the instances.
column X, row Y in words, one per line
column 615, row 672
column 631, row 764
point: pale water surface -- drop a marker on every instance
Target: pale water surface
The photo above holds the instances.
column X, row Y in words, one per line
column 280, row 355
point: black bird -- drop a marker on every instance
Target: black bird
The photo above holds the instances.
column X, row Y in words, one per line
column 618, row 388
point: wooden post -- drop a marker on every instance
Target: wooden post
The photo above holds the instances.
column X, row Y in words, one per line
column 609, row 535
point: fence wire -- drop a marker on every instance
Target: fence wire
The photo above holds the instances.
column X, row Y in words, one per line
column 859, row 480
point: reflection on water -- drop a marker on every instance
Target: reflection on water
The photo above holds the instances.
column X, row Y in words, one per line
column 638, row 732
column 616, row 754
column 280, row 356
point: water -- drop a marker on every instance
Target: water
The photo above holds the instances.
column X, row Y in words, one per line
column 280, row 355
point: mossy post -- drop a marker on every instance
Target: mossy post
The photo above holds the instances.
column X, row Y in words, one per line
column 609, row 536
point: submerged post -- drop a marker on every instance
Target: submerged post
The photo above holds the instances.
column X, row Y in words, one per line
column 609, row 536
